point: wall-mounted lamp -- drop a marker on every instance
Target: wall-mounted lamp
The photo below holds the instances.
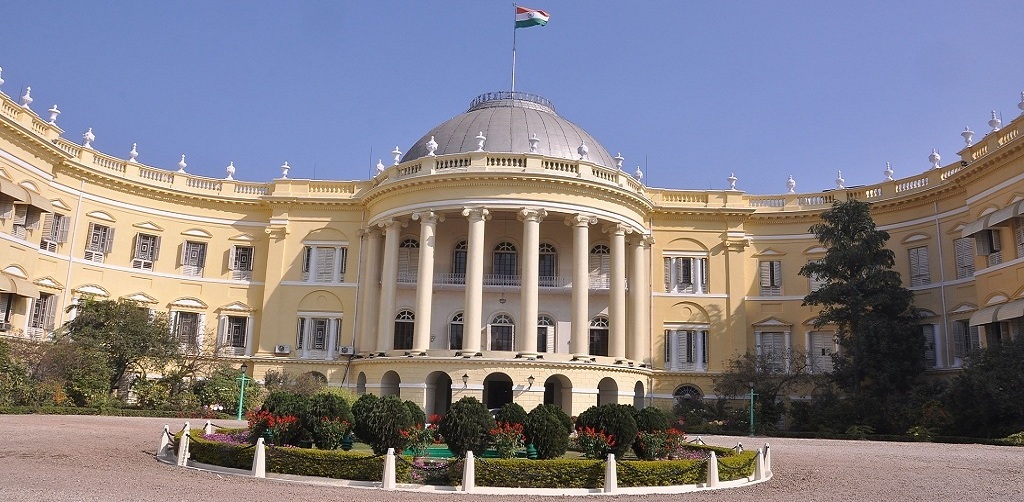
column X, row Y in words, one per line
column 530, row 380
column 502, row 300
column 465, row 380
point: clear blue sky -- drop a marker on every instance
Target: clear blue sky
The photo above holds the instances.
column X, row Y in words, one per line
column 695, row 90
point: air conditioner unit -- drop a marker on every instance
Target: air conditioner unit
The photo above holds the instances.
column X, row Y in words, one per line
column 347, row 350
column 283, row 349
column 5, row 326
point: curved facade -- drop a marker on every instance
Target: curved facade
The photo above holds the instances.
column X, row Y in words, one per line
column 510, row 272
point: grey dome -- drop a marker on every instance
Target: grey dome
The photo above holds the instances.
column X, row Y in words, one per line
column 508, row 119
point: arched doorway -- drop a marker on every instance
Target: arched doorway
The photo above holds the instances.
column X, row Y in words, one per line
column 316, row 376
column 439, row 393
column 638, row 395
column 607, row 391
column 390, row 384
column 558, row 391
column 361, row 383
column 497, row 390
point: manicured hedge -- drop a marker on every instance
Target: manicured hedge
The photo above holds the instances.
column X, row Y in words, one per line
column 112, row 412
column 216, row 453
column 522, row 473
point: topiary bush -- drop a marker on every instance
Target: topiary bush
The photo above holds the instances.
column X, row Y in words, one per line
column 511, row 413
column 547, row 431
column 285, row 404
column 361, row 413
column 385, row 422
column 652, row 419
column 419, row 417
column 466, row 426
column 326, row 418
column 615, row 420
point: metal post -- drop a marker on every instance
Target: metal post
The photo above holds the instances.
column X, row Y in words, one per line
column 241, row 391
column 752, row 394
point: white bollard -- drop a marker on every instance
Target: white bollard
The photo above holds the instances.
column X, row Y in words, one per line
column 259, row 460
column 469, row 473
column 183, row 448
column 759, row 466
column 611, row 478
column 165, row 441
column 208, row 428
column 388, row 483
column 767, row 459
column 712, row 471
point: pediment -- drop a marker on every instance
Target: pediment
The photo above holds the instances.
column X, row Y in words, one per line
column 915, row 238
column 816, row 250
column 772, row 322
column 16, row 271
column 242, row 238
column 188, row 303
column 769, row 252
column 140, row 297
column 197, row 232
column 30, row 186
column 60, row 204
column 48, row 282
column 101, row 215
column 963, row 308
column 235, row 307
column 92, row 290
column 149, row 225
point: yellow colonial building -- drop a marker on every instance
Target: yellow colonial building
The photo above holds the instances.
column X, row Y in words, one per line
column 505, row 255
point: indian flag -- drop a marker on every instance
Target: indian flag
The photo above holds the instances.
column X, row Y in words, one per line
column 526, row 17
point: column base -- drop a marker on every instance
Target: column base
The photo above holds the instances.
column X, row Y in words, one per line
column 415, row 353
column 529, row 355
column 467, row 354
column 625, row 362
column 586, row 358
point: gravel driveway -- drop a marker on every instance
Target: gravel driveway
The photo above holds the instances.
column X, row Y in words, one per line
column 70, row 458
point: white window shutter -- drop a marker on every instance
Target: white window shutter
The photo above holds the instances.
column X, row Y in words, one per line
column 959, row 339
column 299, row 332
column 156, row 247
column 324, row 264
column 668, row 275
column 996, row 244
column 62, row 228
column 982, row 241
column 200, row 331
column 108, row 244
column 766, row 274
column 777, row 273
column 342, row 261
column 550, row 339
column 137, row 246
column 668, row 348
column 48, row 226
column 232, row 261
column 6, row 210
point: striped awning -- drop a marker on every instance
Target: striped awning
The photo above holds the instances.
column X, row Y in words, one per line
column 18, row 286
column 992, row 219
column 22, row 194
column 997, row 313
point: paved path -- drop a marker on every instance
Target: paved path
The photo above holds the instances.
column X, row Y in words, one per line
column 72, row 458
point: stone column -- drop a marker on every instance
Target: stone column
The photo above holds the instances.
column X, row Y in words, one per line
column 579, row 344
column 634, row 346
column 472, row 318
column 371, row 291
column 526, row 342
column 617, row 291
column 388, row 285
column 645, row 293
column 425, row 279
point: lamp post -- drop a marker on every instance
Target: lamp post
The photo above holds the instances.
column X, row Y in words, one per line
column 241, row 390
column 752, row 395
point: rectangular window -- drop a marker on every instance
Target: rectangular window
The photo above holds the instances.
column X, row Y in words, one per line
column 547, row 263
column 147, row 250
column 44, row 313
column 964, row 249
column 773, row 352
column 919, row 272
column 240, row 262
column 1018, row 235
column 598, row 341
column 455, row 336
column 686, row 274
column 6, row 208
column 686, row 349
column 320, row 262
column 25, row 218
column 771, row 278
column 928, row 331
column 814, row 282
column 966, row 338
column 100, row 243
column 235, row 336
column 988, row 245
column 821, row 349
column 193, row 258
column 501, row 336
column 186, row 329
column 317, row 334
column 55, row 231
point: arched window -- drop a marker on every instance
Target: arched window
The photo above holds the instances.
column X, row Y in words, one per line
column 501, row 330
column 455, row 327
column 459, row 263
column 504, row 264
column 599, row 336
column 545, row 334
column 688, row 394
column 405, row 322
column 408, row 260
column 600, row 264
column 548, row 261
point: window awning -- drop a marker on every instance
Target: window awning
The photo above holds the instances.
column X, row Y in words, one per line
column 992, row 219
column 18, row 286
column 22, row 194
column 996, row 313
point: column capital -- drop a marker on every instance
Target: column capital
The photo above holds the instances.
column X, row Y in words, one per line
column 532, row 214
column 428, row 217
column 580, row 220
column 617, row 229
column 476, row 213
column 647, row 240
column 391, row 222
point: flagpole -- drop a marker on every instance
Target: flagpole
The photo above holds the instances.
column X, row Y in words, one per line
column 513, row 48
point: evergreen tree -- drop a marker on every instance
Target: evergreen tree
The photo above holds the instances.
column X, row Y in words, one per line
column 862, row 297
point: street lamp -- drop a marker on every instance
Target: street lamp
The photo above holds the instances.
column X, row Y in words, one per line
column 241, row 390
column 465, row 380
column 530, row 380
column 752, row 395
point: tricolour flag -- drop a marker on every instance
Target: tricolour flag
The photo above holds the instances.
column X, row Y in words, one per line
column 526, row 17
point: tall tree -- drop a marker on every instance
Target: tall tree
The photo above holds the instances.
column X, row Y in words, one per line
column 881, row 346
column 121, row 331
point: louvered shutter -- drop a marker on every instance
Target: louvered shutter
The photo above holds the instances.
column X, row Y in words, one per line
column 550, row 346
column 156, row 248
column 668, row 275
column 668, row 348
column 232, row 260
column 20, row 214
column 200, row 331
column 299, row 337
column 982, row 243
column 975, row 337
column 62, row 228
column 137, row 244
column 766, row 274
column 342, row 262
column 964, row 249
column 6, row 209
column 32, row 218
column 959, row 339
column 108, row 244
column 48, row 227
column 777, row 274
column 1018, row 235
column 929, row 345
column 324, row 265
column 307, row 255
column 996, row 245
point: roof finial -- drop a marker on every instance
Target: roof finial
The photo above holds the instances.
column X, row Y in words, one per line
column 1019, row 105
column 480, row 138
column 431, row 147
column 133, row 153
column 53, row 114
column 732, row 181
column 639, row 175
column 231, row 170
column 618, row 160
column 888, row 172
column 791, row 184
column 968, row 135
column 182, row 165
column 934, row 158
column 380, row 166
column 994, row 122
column 534, row 141
column 398, row 155
column 583, row 150
column 27, row 100
column 840, row 181
column 88, row 138
column 284, row 170
column 2, row 80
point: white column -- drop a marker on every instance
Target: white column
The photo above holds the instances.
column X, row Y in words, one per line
column 472, row 316
column 332, row 337
column 526, row 342
column 306, row 325
column 757, row 343
column 634, row 346
column 248, row 335
column 425, row 279
column 617, row 291
column 388, row 285
column 808, row 350
column 222, row 332
column 673, row 344
column 371, row 291
column 939, row 333
column 645, row 292
column 579, row 341
column 788, row 354
column 699, row 359
column 697, row 275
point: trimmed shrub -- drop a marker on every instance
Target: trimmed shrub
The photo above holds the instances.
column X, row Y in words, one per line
column 419, row 417
column 511, row 413
column 615, row 420
column 384, row 424
column 466, row 426
column 652, row 419
column 522, row 473
column 361, row 413
column 546, row 429
column 325, row 419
